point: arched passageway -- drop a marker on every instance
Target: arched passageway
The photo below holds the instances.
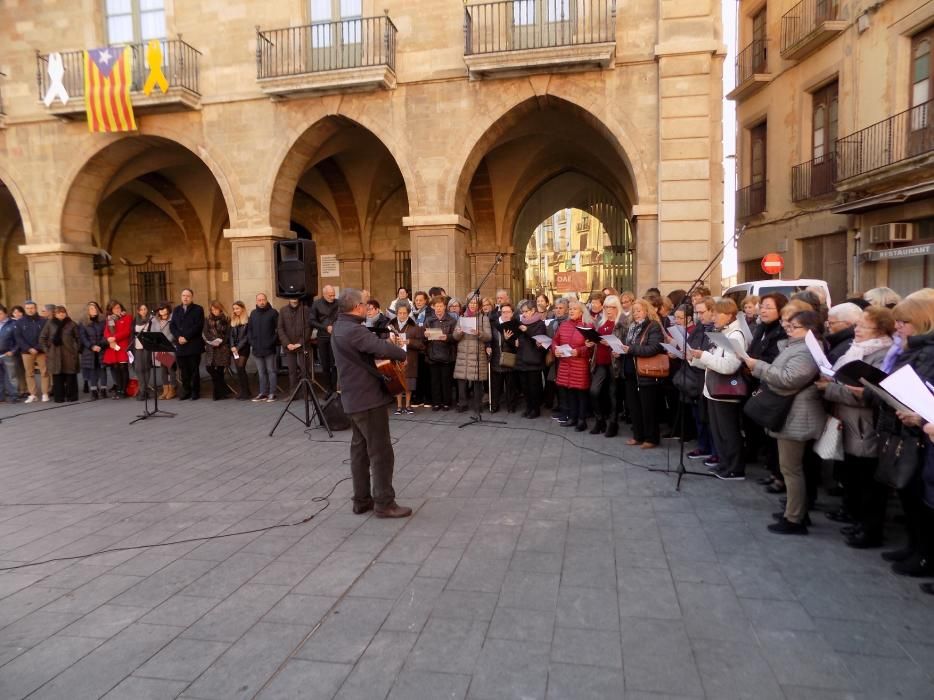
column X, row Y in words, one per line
column 340, row 185
column 544, row 156
column 156, row 214
column 14, row 270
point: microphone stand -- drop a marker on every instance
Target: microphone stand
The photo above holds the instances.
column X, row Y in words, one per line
column 478, row 418
column 682, row 470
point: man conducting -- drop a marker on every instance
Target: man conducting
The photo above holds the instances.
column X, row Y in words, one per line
column 365, row 399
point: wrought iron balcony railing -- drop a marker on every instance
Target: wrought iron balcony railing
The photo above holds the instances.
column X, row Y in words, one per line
column 905, row 135
column 804, row 19
column 750, row 200
column 814, row 178
column 751, row 60
column 179, row 64
column 517, row 25
column 325, row 46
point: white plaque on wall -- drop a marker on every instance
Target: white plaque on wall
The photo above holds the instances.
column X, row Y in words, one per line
column 329, row 266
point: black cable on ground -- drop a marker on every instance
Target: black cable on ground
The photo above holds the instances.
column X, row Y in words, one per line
column 69, row 404
column 326, row 499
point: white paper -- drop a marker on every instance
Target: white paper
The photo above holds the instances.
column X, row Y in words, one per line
column 549, row 321
column 543, row 340
column 564, row 351
column 677, row 333
column 468, row 325
column 744, row 327
column 129, row 355
column 724, row 343
column 433, row 333
column 236, row 355
column 216, row 342
column 674, row 350
column 906, row 386
column 817, row 352
column 616, row 345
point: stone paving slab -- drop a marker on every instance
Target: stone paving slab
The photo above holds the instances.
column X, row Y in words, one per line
column 538, row 564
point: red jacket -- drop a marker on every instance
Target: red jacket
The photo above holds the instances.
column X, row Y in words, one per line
column 604, row 354
column 122, row 330
column 573, row 372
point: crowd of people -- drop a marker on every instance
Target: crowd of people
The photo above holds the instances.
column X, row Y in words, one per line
column 741, row 382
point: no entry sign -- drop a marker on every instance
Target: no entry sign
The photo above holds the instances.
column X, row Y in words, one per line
column 772, row 264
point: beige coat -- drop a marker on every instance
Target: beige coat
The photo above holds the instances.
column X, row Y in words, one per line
column 468, row 347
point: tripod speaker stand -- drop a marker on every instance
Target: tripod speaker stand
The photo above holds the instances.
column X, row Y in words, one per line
column 153, row 343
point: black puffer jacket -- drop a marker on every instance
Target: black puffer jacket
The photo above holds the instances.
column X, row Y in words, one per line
column 530, row 357
column 441, row 351
column 765, row 337
column 646, row 342
column 261, row 331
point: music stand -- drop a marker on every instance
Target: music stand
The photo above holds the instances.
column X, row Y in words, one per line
column 153, row 343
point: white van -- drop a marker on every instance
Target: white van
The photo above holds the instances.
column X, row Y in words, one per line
column 738, row 292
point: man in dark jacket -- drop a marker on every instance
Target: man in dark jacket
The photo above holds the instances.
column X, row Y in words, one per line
column 261, row 331
column 323, row 316
column 294, row 334
column 8, row 358
column 27, row 332
column 187, row 325
column 365, row 399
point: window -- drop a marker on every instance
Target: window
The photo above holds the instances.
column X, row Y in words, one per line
column 759, row 55
column 758, row 150
column 325, row 11
column 920, row 79
column 523, row 13
column 558, row 10
column 131, row 21
column 824, row 120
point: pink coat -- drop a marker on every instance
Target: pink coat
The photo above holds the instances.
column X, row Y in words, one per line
column 573, row 372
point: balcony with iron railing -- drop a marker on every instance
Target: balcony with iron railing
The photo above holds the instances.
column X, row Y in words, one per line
column 751, row 70
column 179, row 65
column 750, row 201
column 900, row 148
column 349, row 54
column 809, row 25
column 814, row 179
column 510, row 37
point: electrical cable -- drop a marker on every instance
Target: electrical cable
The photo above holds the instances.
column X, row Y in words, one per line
column 70, row 404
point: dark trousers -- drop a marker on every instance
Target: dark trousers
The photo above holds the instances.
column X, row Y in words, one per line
column 550, row 391
column 64, row 387
column 725, row 422
column 328, row 377
column 442, row 377
column 219, row 388
column 642, row 402
column 243, row 378
column 295, row 361
column 865, row 498
column 504, row 390
column 476, row 397
column 705, row 441
column 120, row 373
column 576, row 403
column 532, row 388
column 371, row 451
column 422, row 393
column 142, row 363
column 603, row 393
column 189, row 367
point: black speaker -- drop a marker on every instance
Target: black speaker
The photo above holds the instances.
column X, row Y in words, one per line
column 296, row 269
column 334, row 412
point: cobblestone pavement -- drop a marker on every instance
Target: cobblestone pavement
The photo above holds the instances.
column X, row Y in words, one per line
column 532, row 568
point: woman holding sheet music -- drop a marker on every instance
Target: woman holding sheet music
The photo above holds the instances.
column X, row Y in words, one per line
column 440, row 353
column 864, row 498
column 471, row 370
column 570, row 348
column 644, row 338
column 502, row 353
column 603, row 394
column 530, row 358
column 724, row 388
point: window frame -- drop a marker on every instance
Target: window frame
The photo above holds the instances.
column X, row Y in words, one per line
column 136, row 19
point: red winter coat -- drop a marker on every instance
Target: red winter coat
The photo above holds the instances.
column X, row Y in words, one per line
column 122, row 330
column 573, row 372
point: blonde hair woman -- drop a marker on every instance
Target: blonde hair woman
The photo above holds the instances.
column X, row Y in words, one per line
column 644, row 338
column 240, row 347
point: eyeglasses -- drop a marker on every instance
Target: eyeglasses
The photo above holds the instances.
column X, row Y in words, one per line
column 795, row 326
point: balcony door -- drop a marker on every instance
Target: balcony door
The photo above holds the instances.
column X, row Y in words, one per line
column 758, row 166
column 760, row 57
column 541, row 23
column 921, row 130
column 336, row 31
column 823, row 138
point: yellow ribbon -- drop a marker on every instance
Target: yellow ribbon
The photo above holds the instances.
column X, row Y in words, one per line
column 156, row 76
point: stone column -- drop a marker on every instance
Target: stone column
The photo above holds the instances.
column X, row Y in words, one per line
column 645, row 232
column 355, row 271
column 500, row 279
column 61, row 273
column 439, row 252
column 254, row 261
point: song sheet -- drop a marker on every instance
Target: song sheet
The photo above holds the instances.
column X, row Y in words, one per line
column 564, row 351
column 817, row 352
column 543, row 340
column 468, row 325
column 906, row 386
column 616, row 345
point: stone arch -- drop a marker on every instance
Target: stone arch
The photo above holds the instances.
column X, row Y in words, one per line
column 7, row 181
column 304, row 148
column 485, row 135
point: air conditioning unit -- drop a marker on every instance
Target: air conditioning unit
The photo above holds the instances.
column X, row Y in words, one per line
column 896, row 232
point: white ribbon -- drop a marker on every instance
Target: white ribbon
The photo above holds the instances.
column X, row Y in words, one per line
column 56, row 75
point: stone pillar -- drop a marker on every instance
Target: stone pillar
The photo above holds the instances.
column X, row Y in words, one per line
column 355, row 270
column 481, row 264
column 254, row 261
column 62, row 273
column 645, row 232
column 439, row 252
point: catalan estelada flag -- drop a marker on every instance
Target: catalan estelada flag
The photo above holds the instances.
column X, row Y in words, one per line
column 107, row 77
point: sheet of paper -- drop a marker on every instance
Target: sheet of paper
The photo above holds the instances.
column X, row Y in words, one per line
column 817, row 352
column 677, row 341
column 433, row 333
column 885, row 397
column 616, row 345
column 674, row 350
column 677, row 333
column 468, row 325
column 544, row 340
column 740, row 347
column 744, row 327
column 564, row 351
column 722, row 342
column 906, row 386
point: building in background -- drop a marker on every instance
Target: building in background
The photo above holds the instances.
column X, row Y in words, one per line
column 413, row 141
column 835, row 141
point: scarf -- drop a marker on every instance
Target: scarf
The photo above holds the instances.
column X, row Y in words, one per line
column 468, row 313
column 528, row 319
column 858, row 351
column 634, row 331
column 57, row 335
column 888, row 364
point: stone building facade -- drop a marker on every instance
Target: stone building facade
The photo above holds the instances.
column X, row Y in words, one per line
column 404, row 137
column 835, row 141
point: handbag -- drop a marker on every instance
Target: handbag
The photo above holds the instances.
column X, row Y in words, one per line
column 689, row 381
column 829, row 445
column 654, row 366
column 899, row 460
column 507, row 359
column 165, row 359
column 768, row 409
column 732, row 387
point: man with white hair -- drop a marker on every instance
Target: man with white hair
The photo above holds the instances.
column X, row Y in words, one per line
column 841, row 325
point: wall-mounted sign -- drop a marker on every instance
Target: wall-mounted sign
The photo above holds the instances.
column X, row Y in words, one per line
column 570, row 281
column 329, row 266
column 912, row 251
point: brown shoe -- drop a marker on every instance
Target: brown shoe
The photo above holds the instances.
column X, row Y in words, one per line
column 631, row 441
column 648, row 445
column 393, row 510
column 361, row 508
column 171, row 392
